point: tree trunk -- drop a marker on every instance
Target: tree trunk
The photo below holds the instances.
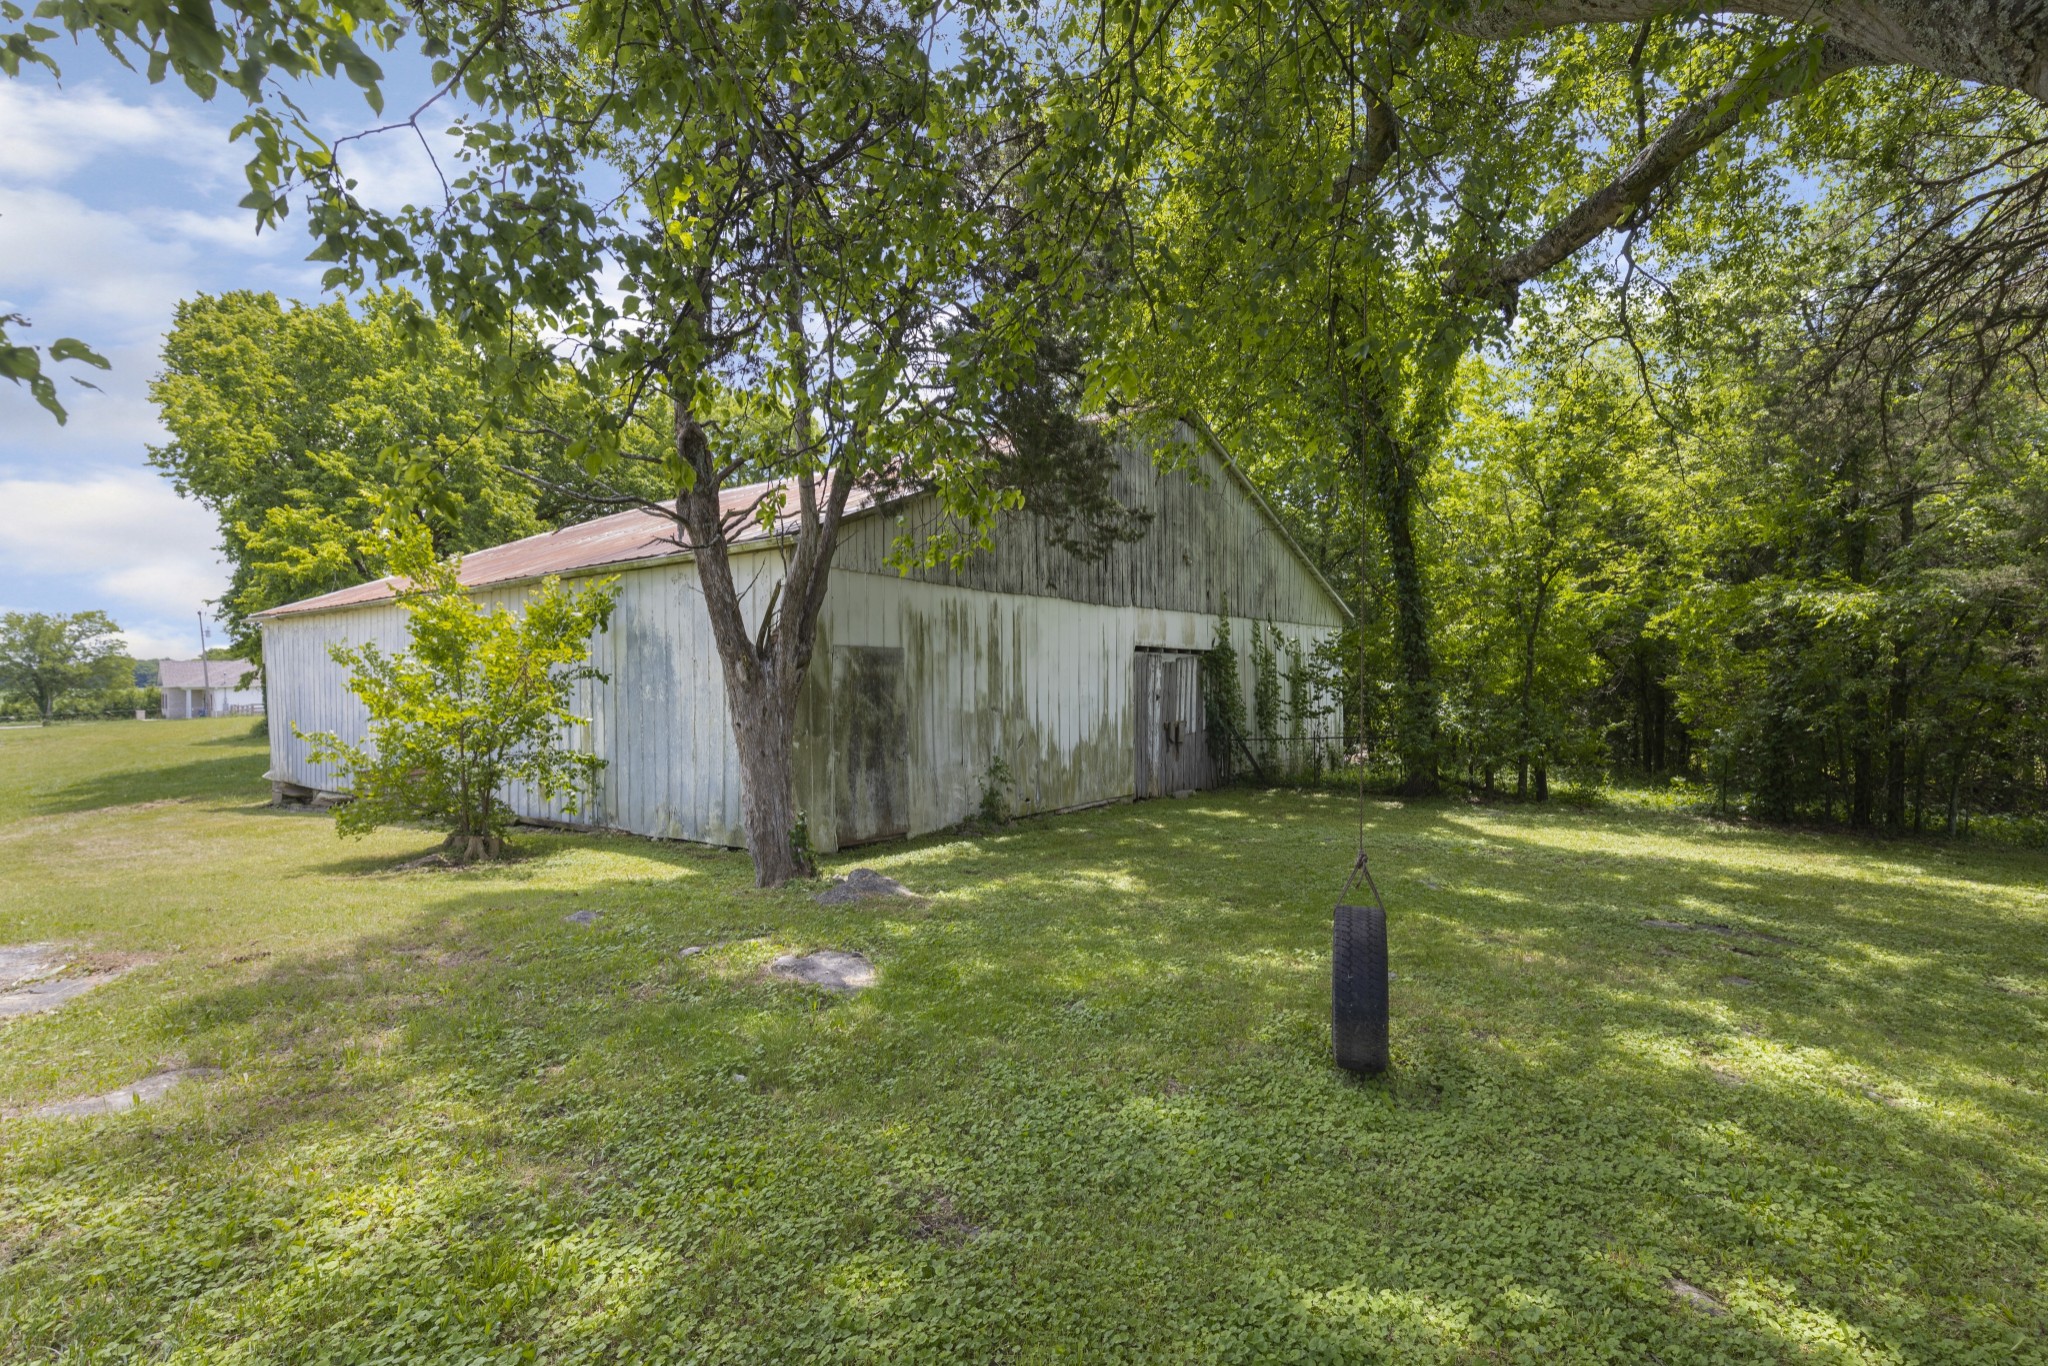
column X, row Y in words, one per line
column 764, row 730
column 763, row 669
column 1391, row 490
column 1899, row 699
column 1862, row 765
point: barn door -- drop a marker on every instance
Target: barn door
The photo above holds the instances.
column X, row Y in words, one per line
column 871, row 731
column 1173, row 749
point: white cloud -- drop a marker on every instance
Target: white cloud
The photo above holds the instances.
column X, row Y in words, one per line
column 53, row 134
column 124, row 538
column 161, row 642
column 90, row 266
column 235, row 232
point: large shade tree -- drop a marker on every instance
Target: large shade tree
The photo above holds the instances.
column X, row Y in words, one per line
column 44, row 657
column 1327, row 207
column 304, row 428
column 759, row 231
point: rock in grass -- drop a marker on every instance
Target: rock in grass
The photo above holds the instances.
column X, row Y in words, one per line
column 1696, row 1297
column 31, row 984
column 151, row 1088
column 859, row 885
column 21, row 964
column 832, row 969
column 581, row 917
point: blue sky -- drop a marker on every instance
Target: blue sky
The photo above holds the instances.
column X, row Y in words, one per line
column 118, row 199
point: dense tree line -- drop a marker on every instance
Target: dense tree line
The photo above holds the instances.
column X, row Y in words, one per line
column 1774, row 522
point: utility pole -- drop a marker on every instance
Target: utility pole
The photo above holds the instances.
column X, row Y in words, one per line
column 205, row 670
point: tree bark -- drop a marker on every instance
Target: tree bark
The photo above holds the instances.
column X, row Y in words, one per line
column 1899, row 700
column 2001, row 43
column 763, row 670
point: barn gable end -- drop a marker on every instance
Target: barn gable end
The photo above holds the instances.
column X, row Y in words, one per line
column 1212, row 540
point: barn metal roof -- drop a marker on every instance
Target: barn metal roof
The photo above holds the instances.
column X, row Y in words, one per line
column 622, row 538
column 204, row 673
column 640, row 536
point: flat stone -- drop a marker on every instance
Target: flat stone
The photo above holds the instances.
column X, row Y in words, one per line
column 691, row 952
column 1737, row 982
column 21, row 964
column 581, row 917
column 153, row 1087
column 49, row 993
column 1696, row 1297
column 829, row 968
column 859, row 885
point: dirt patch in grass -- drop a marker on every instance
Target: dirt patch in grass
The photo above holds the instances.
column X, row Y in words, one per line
column 934, row 1217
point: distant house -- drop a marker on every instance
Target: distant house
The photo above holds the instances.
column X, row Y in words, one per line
column 209, row 687
column 1081, row 679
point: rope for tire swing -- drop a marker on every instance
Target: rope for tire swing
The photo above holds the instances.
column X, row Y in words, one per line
column 1358, row 956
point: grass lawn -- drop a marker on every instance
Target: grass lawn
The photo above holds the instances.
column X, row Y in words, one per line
column 1085, row 1115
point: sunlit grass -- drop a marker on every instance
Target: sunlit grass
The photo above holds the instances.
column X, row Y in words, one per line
column 1086, row 1114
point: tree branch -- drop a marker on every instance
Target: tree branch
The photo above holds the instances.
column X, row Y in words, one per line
column 1612, row 205
column 2001, row 43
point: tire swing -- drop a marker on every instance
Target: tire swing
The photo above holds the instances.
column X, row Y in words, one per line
column 1358, row 974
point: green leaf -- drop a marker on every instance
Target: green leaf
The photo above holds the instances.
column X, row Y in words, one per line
column 70, row 348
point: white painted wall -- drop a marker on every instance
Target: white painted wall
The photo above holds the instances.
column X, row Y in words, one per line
column 1042, row 682
column 1024, row 653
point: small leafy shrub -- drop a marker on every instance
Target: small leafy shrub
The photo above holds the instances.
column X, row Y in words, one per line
column 996, row 783
column 477, row 702
column 800, row 845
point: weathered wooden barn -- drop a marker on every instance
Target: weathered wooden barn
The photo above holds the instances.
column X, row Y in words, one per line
column 1082, row 678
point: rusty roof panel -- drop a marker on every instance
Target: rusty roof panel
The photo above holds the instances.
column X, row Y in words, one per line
column 624, row 538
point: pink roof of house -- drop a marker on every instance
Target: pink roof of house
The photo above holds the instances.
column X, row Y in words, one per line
column 204, row 673
column 620, row 539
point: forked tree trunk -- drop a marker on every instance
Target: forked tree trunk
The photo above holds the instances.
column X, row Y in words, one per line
column 763, row 669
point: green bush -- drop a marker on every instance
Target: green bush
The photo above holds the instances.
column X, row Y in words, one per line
column 478, row 702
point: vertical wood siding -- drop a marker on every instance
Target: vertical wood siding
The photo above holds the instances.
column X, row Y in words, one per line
column 1026, row 655
column 1209, row 542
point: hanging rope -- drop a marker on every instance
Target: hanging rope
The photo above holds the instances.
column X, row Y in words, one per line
column 1359, row 869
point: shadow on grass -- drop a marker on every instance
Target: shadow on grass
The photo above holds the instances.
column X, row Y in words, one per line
column 1089, row 1102
column 232, row 776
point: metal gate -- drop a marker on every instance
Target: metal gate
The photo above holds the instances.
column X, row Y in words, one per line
column 1173, row 745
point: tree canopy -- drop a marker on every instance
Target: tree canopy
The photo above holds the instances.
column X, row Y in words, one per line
column 302, row 427
column 44, row 657
column 1628, row 361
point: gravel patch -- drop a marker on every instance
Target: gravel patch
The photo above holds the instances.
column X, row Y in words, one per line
column 860, row 885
